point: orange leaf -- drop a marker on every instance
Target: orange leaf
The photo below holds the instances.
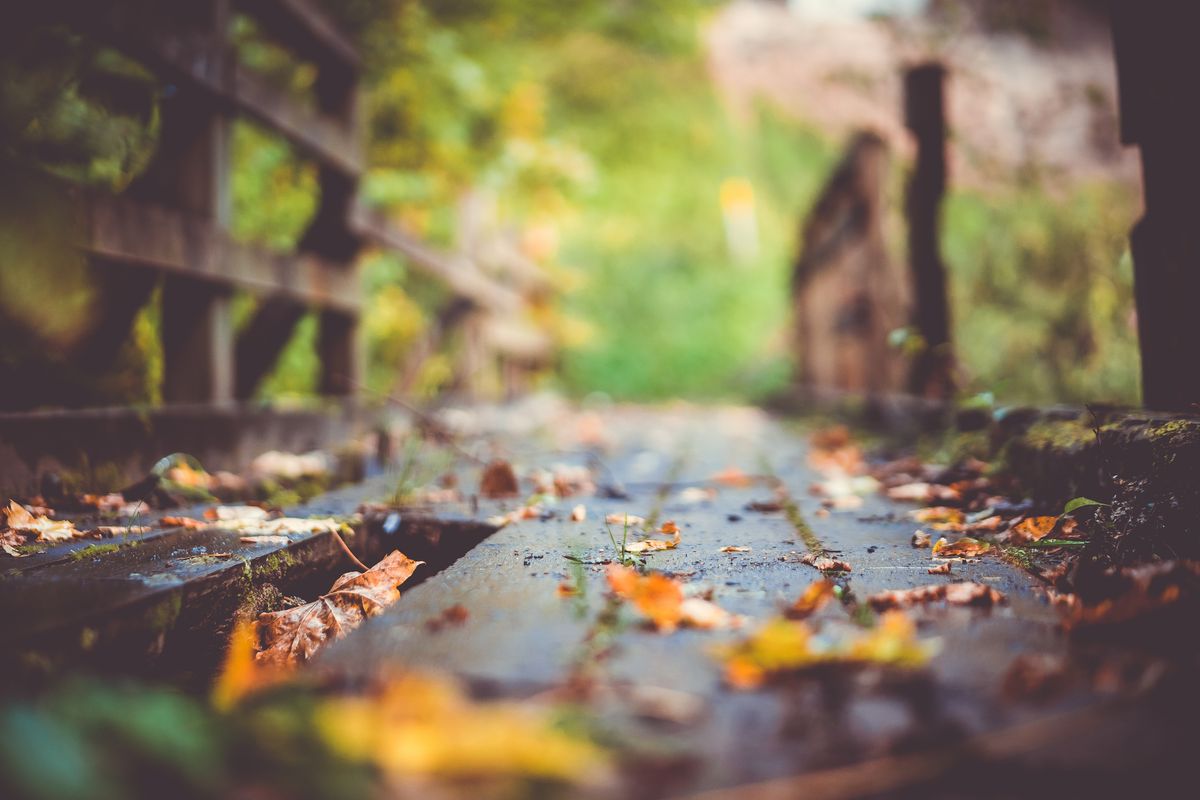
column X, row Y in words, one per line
column 815, row 596
column 1032, row 529
column 965, row 547
column 498, row 480
column 295, row 634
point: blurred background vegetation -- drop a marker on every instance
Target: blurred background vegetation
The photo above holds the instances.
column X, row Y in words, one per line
column 599, row 129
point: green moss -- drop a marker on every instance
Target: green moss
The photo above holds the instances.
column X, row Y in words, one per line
column 96, row 550
column 1060, row 434
column 162, row 616
column 275, row 565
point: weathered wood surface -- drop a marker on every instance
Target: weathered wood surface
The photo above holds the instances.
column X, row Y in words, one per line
column 661, row 695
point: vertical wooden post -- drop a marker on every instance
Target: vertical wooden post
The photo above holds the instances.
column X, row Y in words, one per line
column 339, row 352
column 932, row 373
column 1157, row 62
column 191, row 174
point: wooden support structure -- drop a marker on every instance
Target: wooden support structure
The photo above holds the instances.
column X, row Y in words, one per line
column 847, row 294
column 924, row 112
column 1157, row 64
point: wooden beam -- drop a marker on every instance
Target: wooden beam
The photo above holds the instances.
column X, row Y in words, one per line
column 933, row 372
column 125, row 231
column 457, row 272
column 302, row 27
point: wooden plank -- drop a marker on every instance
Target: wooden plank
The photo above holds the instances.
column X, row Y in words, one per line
column 122, row 230
column 302, row 27
column 197, row 340
column 194, row 63
column 457, row 272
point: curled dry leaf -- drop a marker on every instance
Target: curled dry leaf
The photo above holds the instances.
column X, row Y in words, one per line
column 732, row 548
column 579, row 513
column 825, row 563
column 815, row 597
column 940, row 569
column 652, row 545
column 181, row 522
column 920, row 539
column 625, row 520
column 295, row 634
column 959, row 594
column 1032, row 529
column 41, row 528
column 524, row 512
column 498, row 480
column 965, row 547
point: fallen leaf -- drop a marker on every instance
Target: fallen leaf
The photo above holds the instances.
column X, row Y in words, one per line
column 782, row 646
column 943, row 515
column 264, row 540
column 652, row 545
column 11, row 551
column 920, row 539
column 1031, row 529
column 940, row 569
column 242, row 674
column 121, row 530
column 764, row 506
column 922, row 492
column 732, row 477
column 625, row 520
column 293, row 635
column 733, row 548
column 815, row 597
column 40, row 527
column 962, row 594
column 235, row 513
column 579, row 513
column 181, row 522
column 669, row 527
column 424, row 725
column 661, row 600
column 456, row 614
column 965, row 547
column 498, row 480
column 825, row 563
column 567, row 589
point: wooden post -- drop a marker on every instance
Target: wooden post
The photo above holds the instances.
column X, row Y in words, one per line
column 1157, row 63
column 339, row 352
column 932, row 372
column 191, row 173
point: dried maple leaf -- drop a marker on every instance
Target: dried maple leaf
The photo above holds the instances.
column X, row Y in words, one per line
column 825, row 563
column 1031, row 529
column 295, row 634
column 815, row 596
column 961, row 594
column 42, row 528
column 498, row 480
column 965, row 547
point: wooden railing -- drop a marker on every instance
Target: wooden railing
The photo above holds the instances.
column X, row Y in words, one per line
column 172, row 224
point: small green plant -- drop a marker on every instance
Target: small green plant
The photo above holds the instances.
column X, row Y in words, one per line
column 1080, row 502
column 624, row 558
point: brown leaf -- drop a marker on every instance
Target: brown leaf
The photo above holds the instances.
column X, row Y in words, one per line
column 920, row 539
column 182, row 522
column 295, row 634
column 940, row 569
column 42, row 528
column 732, row 477
column 499, row 480
column 959, row 594
column 815, row 596
column 1031, row 529
column 922, row 492
column 825, row 563
column 733, row 548
column 965, row 547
